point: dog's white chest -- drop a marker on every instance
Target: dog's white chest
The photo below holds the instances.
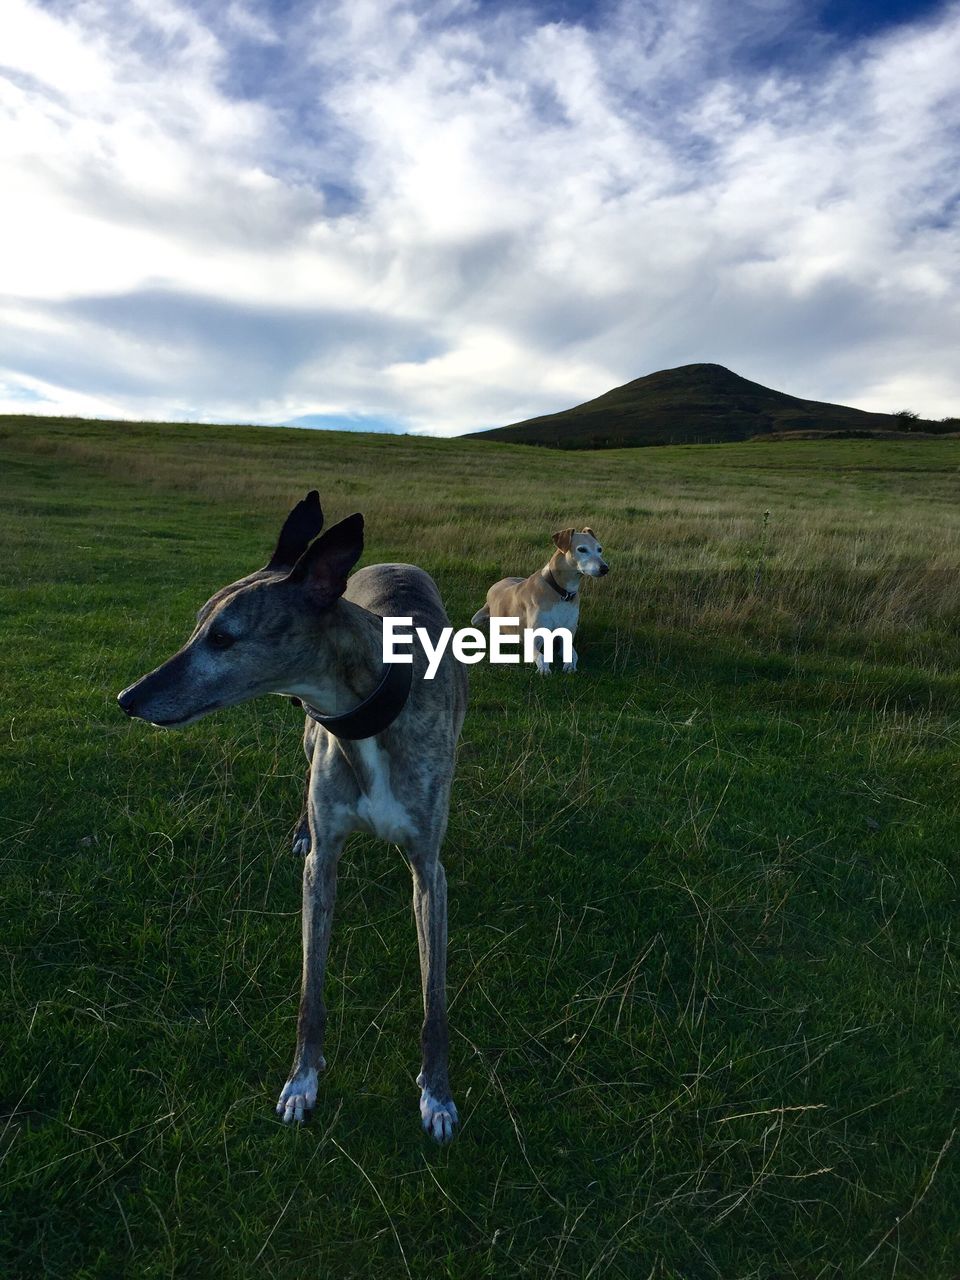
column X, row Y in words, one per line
column 564, row 613
column 378, row 809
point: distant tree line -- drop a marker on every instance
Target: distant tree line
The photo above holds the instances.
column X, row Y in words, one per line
column 913, row 422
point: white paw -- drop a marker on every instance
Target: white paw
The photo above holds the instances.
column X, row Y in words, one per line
column 569, row 666
column 301, row 840
column 440, row 1119
column 298, row 1096
column 543, row 668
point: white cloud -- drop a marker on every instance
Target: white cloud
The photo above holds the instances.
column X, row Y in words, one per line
column 19, row 393
column 458, row 217
column 249, row 24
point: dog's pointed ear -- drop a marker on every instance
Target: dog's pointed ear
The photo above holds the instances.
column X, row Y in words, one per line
column 588, row 531
column 562, row 538
column 299, row 529
column 322, row 569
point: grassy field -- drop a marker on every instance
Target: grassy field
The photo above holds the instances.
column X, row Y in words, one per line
column 703, row 971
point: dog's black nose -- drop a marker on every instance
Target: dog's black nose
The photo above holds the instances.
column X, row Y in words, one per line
column 126, row 701
column 604, row 568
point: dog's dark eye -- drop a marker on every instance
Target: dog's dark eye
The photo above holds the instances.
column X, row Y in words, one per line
column 581, row 548
column 599, row 549
column 220, row 639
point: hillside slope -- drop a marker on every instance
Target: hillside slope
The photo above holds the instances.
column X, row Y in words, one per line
column 693, row 404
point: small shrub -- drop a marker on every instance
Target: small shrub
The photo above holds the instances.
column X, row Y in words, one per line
column 908, row 419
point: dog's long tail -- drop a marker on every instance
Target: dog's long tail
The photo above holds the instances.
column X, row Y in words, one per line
column 482, row 615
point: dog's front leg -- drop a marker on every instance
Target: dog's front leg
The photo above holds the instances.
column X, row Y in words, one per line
column 437, row 1109
column 299, row 1094
column 543, row 666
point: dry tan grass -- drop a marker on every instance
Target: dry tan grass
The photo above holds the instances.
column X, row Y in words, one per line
column 862, row 537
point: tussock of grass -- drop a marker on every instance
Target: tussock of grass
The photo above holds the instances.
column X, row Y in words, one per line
column 703, row 966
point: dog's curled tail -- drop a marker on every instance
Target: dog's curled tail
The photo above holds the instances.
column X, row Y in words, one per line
column 482, row 615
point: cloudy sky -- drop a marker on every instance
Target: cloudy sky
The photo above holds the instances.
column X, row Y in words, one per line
column 436, row 217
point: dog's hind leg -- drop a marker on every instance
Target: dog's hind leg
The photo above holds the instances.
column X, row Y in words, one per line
column 301, row 835
column 437, row 1109
column 299, row 1094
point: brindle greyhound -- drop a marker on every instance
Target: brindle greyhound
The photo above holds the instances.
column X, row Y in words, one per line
column 382, row 757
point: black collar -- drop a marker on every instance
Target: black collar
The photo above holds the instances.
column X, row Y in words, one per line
column 551, row 581
column 376, row 712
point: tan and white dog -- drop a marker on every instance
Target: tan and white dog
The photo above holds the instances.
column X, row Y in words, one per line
column 550, row 597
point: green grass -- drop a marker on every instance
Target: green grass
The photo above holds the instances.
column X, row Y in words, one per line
column 703, row 958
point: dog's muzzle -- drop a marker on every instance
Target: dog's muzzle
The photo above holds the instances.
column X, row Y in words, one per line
column 125, row 699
